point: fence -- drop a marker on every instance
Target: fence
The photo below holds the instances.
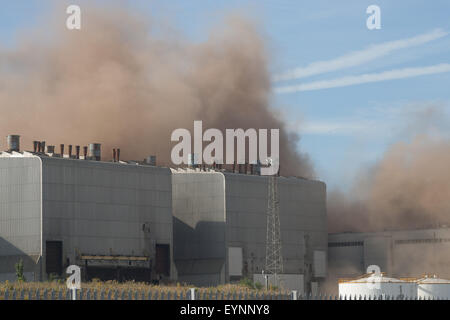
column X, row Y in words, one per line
column 95, row 294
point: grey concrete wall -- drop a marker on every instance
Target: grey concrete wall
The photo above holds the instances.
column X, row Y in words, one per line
column 302, row 221
column 99, row 208
column 421, row 251
column 207, row 201
column 199, row 227
column 20, row 214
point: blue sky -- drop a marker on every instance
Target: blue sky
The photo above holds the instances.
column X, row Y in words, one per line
column 343, row 128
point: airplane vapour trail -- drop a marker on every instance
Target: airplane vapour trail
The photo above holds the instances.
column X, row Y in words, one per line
column 366, row 78
column 360, row 57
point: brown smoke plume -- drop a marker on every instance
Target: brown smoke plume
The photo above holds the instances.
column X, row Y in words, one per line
column 409, row 188
column 118, row 83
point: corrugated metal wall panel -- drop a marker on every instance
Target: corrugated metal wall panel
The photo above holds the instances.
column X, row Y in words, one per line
column 20, row 203
column 99, row 208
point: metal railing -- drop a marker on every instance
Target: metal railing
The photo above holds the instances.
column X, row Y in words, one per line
column 192, row 294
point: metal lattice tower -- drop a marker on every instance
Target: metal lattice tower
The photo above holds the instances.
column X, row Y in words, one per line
column 274, row 258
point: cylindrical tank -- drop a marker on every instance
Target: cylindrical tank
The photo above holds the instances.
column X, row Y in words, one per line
column 433, row 287
column 13, row 141
column 95, row 152
column 376, row 286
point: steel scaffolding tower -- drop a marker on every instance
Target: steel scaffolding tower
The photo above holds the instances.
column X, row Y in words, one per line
column 274, row 258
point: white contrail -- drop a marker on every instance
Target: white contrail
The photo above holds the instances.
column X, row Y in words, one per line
column 366, row 78
column 359, row 57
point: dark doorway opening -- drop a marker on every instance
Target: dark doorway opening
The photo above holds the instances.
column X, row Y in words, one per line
column 162, row 259
column 54, row 257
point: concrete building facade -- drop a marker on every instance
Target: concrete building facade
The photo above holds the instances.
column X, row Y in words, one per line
column 130, row 220
column 113, row 219
column 403, row 253
column 220, row 226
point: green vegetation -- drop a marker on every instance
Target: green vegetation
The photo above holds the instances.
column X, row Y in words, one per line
column 52, row 277
column 246, row 282
column 245, row 287
column 19, row 271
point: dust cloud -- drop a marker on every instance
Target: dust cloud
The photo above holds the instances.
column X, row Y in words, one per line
column 124, row 81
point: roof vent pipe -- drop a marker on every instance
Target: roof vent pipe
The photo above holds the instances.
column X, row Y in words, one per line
column 85, row 151
column 118, row 155
column 42, row 147
column 51, row 149
column 151, row 160
column 62, row 150
column 114, row 155
column 77, row 150
column 70, row 151
column 35, row 146
column 13, row 143
column 95, row 152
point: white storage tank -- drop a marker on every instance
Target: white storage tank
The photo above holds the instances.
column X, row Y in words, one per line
column 433, row 288
column 377, row 286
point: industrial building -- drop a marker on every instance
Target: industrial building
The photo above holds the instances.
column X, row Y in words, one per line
column 405, row 253
column 220, row 227
column 134, row 220
column 111, row 218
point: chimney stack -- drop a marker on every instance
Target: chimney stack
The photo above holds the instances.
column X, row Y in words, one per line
column 151, row 160
column 77, row 150
column 51, row 149
column 95, row 152
column 13, row 143
column 35, row 146
column 85, row 150
column 70, row 151
column 62, row 150
column 42, row 147
column 118, row 155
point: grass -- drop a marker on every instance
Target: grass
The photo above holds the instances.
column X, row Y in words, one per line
column 244, row 287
